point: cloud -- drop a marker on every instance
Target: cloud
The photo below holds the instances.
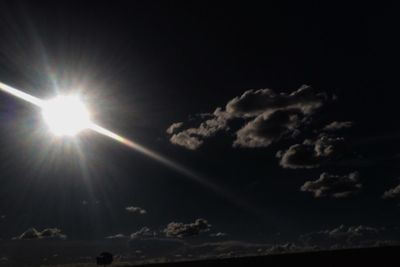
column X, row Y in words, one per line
column 116, row 236
column 138, row 210
column 32, row 233
column 255, row 102
column 285, row 248
column 392, row 193
column 177, row 229
column 311, row 153
column 231, row 248
column 175, row 126
column 191, row 138
column 219, row 234
column 186, row 140
column 263, row 108
column 343, row 236
column 269, row 127
column 338, row 125
column 144, row 232
column 337, row 186
column 209, row 127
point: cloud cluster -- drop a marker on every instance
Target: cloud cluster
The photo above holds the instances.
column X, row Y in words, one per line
column 32, row 233
column 337, row 186
column 172, row 230
column 343, row 236
column 285, row 248
column 312, row 153
column 138, row 210
column 142, row 233
column 265, row 117
column 178, row 229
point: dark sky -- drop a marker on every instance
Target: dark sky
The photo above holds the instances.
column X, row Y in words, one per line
column 143, row 65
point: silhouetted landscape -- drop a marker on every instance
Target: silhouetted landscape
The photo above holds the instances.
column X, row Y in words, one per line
column 199, row 133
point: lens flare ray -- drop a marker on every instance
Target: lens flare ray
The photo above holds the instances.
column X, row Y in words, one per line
column 174, row 166
column 151, row 154
column 137, row 147
column 22, row 95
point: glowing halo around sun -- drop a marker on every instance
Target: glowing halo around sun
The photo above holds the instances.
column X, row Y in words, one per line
column 65, row 115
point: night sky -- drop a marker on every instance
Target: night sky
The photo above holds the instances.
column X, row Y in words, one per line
column 289, row 112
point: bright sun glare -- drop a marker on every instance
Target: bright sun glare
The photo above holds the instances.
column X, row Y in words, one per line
column 66, row 115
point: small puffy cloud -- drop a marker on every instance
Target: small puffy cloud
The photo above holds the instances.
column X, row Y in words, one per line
column 393, row 193
column 263, row 108
column 144, row 232
column 311, row 153
column 116, row 236
column 269, row 127
column 338, row 125
column 175, row 126
column 137, row 210
column 32, row 233
column 177, row 229
column 337, row 186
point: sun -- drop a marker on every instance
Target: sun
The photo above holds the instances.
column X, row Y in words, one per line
column 66, row 115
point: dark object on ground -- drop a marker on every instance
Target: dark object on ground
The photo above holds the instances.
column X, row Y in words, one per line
column 379, row 256
column 104, row 259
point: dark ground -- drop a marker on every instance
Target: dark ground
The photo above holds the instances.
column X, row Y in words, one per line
column 382, row 256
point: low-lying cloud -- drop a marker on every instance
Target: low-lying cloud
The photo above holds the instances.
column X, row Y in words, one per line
column 343, row 236
column 32, row 233
column 178, row 229
column 144, row 232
